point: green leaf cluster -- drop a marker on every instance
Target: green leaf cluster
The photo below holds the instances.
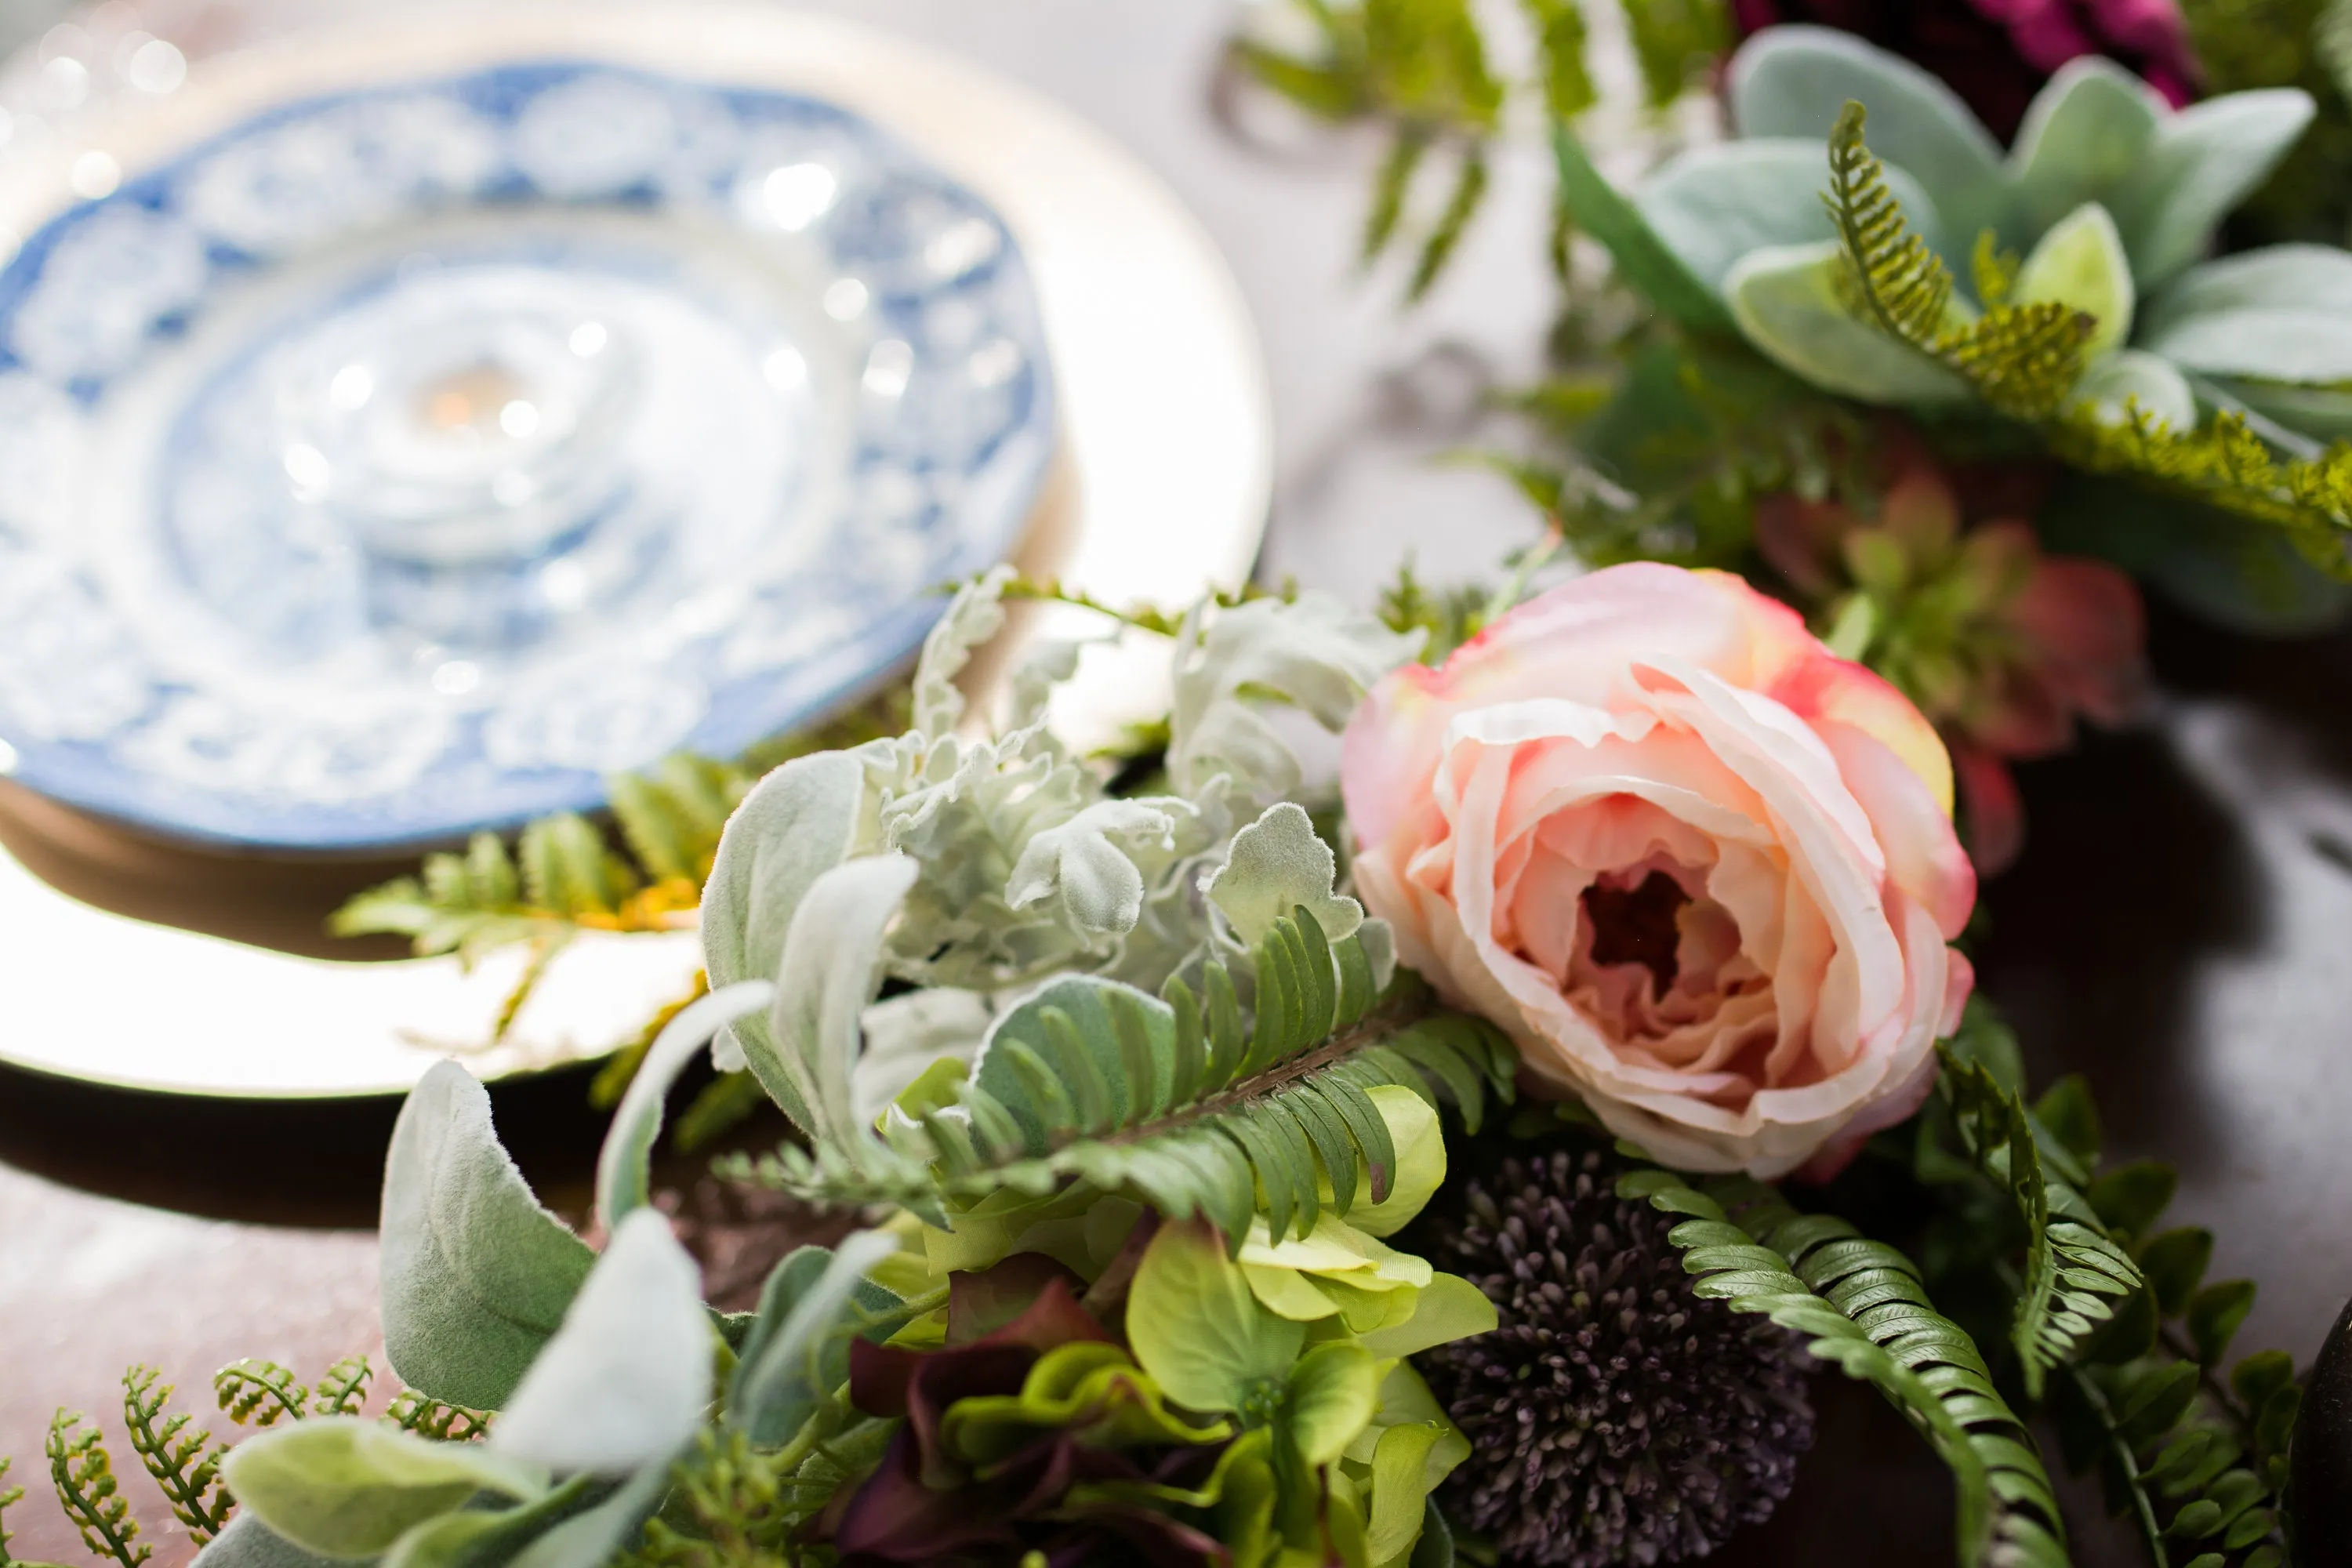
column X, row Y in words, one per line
column 2073, row 1273
column 1176, row 1100
column 2190, row 1446
column 1422, row 69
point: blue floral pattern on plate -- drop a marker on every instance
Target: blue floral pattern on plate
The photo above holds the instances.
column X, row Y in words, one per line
column 406, row 460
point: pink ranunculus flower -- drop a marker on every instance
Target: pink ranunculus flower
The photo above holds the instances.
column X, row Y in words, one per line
column 1701, row 869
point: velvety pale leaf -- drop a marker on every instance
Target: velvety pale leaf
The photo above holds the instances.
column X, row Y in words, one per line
column 590, row 1539
column 346, row 1487
column 2316, row 277
column 1794, row 80
column 2312, row 347
column 2080, row 263
column 246, row 1542
column 797, row 824
column 2084, row 134
column 794, row 1357
column 1313, row 653
column 1714, row 203
column 2322, row 413
column 2202, row 162
column 974, row 616
column 906, row 1035
column 487, row 1537
column 1197, row 1329
column 2109, row 382
column 1334, row 1390
column 474, row 1274
column 1643, row 257
column 622, row 1165
column 832, row 959
column 1786, row 301
column 1278, row 863
column 1080, row 859
column 624, row 1380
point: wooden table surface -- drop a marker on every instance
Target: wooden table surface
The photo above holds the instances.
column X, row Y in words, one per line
column 2181, row 929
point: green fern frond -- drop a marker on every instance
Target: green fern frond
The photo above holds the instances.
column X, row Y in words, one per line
column 1863, row 1308
column 671, row 817
column 8, row 1496
column 186, row 1466
column 2074, row 1273
column 429, row 1418
column 342, row 1387
column 2225, row 464
column 1993, row 269
column 1888, row 271
column 1175, row 1100
column 2022, row 360
column 259, row 1392
column 82, row 1472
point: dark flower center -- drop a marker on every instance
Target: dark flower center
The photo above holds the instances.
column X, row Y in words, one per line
column 1636, row 925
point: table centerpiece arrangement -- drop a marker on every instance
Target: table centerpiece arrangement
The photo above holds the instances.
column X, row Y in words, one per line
column 1474, row 1148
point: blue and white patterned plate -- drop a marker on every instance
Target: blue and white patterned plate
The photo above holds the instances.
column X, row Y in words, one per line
column 408, row 460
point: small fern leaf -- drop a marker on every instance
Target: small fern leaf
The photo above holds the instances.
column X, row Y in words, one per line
column 1862, row 1306
column 342, row 1387
column 2075, row 1275
column 259, row 1392
column 1888, row 269
column 186, row 1466
column 82, row 1472
column 429, row 1418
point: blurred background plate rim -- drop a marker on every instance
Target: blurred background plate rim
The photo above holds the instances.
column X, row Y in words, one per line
column 1162, row 484
column 462, row 785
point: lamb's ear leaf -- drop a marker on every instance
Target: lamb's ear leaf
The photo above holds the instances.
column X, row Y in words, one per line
column 2282, row 313
column 346, row 1487
column 476, row 1537
column 2202, row 163
column 798, row 1351
column 1793, row 82
column 797, row 824
column 1713, row 204
column 622, row 1182
column 1644, row 259
column 2080, row 264
column 624, row 1381
column 2111, row 381
column 589, row 1539
column 246, row 1542
column 2084, row 134
column 832, row 953
column 1786, row 302
column 476, row 1275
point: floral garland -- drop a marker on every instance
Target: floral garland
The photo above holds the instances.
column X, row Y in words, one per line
column 1445, row 1161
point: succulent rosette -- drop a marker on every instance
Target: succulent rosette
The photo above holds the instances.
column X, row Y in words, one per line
column 2109, row 195
column 1995, row 54
column 1700, row 867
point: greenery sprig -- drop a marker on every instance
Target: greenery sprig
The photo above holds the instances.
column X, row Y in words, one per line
column 2024, row 361
column 1865, row 1311
column 1177, row 1098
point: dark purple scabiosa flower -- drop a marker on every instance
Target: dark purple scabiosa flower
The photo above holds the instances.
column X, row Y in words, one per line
column 1613, row 1416
column 1995, row 54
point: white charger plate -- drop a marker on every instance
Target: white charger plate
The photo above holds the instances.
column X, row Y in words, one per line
column 1164, row 479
